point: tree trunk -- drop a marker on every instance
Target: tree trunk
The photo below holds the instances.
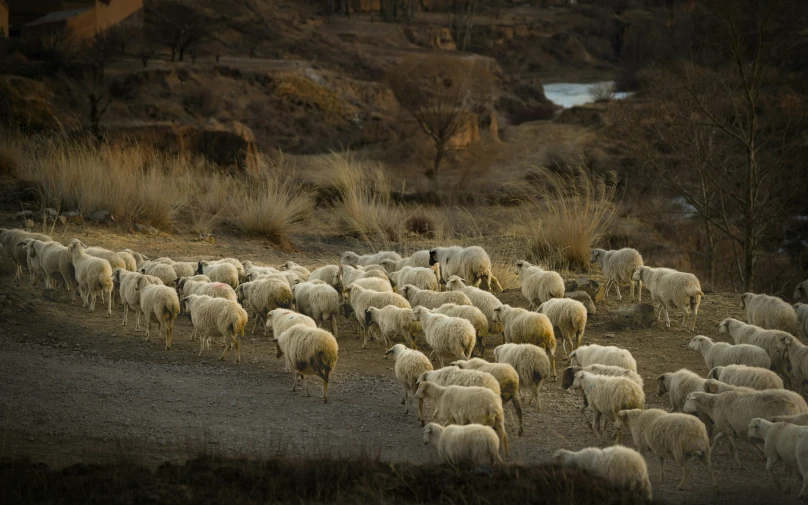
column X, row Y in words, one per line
column 749, row 222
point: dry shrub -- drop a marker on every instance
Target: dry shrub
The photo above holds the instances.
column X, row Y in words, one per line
column 566, row 214
column 366, row 210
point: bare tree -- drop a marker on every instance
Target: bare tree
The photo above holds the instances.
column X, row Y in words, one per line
column 442, row 96
column 462, row 21
column 96, row 57
column 179, row 26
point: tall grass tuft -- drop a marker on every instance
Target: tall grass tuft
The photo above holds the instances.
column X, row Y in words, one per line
column 565, row 214
column 366, row 211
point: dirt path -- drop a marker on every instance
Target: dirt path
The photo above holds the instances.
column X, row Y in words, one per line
column 78, row 387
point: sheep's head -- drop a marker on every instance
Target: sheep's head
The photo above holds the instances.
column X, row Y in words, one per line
column 568, row 376
column 561, row 456
column 594, row 255
column 433, row 257
column 698, row 342
column 522, row 265
column 576, row 382
column 369, row 315
column 423, row 386
column 287, row 266
column 574, row 358
column 455, row 283
column 395, row 351
column 185, row 306
column 240, row 293
column 715, row 372
column 723, row 326
column 388, row 264
column 349, row 258
column 75, row 246
column 662, row 384
column 496, row 315
column 431, row 430
column 418, row 311
column 693, row 403
column 799, row 291
column 200, row 267
column 754, row 429
column 711, row 386
column 638, row 273
column 745, row 299
column 625, row 417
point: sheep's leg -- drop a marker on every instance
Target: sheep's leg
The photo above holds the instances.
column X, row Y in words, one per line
column 169, row 333
column 421, row 410
column 201, row 345
column 596, row 426
column 693, row 321
column 552, row 361
column 137, row 320
column 125, row 314
column 617, row 288
column 538, row 400
column 109, row 304
column 770, row 462
column 667, row 316
column 734, row 444
column 706, row 458
column 367, row 334
column 294, row 381
column 661, row 470
column 238, row 350
column 306, row 385
column 517, row 404
column 255, row 324
column 334, row 325
column 632, row 290
column 404, row 402
column 804, row 490
column 148, row 327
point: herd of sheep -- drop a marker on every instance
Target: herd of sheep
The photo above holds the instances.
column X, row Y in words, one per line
column 448, row 296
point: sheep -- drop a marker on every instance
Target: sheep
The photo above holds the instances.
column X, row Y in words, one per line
column 470, row 263
column 311, row 351
column 483, row 300
column 612, row 371
column 129, row 259
column 473, row 444
column 57, row 263
column 422, row 278
column 432, row 299
column 417, row 259
column 34, row 249
column 466, row 405
column 410, row 366
column 569, row 316
column 161, row 304
column 798, row 419
column 669, row 436
column 722, row 354
column 774, row 342
column 456, row 376
column 677, row 385
column 521, row 326
column 539, row 285
column 473, row 315
column 216, row 317
column 360, row 299
column 672, row 289
column 780, row 442
column 165, row 272
column 184, row 268
column 507, row 377
column 347, row 275
column 114, row 260
column 139, row 258
column 769, row 312
column 530, row 362
column 264, row 295
column 606, row 396
column 453, row 335
column 9, row 239
column 220, row 272
column 319, row 301
column 186, row 286
column 746, row 376
column 801, row 290
column 594, row 354
column 280, row 320
column 93, row 275
column 230, row 261
column 129, row 285
column 393, row 322
column 732, row 411
column 618, row 266
column 717, row 387
column 353, row 259
column 619, row 465
column 325, row 274
column 802, row 317
column 798, row 358
column 291, row 266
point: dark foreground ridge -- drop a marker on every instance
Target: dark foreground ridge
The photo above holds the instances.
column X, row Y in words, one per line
column 212, row 480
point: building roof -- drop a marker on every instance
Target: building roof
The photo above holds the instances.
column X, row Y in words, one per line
column 57, row 16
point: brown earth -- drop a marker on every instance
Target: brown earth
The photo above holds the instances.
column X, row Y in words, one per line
column 78, row 387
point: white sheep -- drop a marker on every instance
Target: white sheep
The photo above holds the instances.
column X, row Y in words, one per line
column 458, row 445
column 798, row 358
column 483, row 300
column 746, row 376
column 677, row 385
column 280, row 320
column 138, row 257
column 769, row 312
column 801, row 290
column 669, row 436
column 310, row 351
column 507, row 377
column 361, row 299
column 471, row 263
column 466, row 405
column 129, row 285
column 220, row 272
column 618, row 266
column 621, row 466
column 34, row 249
column 594, row 354
column 780, row 441
column 612, row 371
column 319, row 301
column 456, row 376
column 57, row 263
column 264, row 295
column 802, row 317
column 432, row 299
column 93, row 275
column 417, row 259
column 717, row 387
column 325, row 273
column 605, row 396
column 129, row 259
column 216, row 317
column 114, row 260
column 538, row 284
column 731, row 412
column 422, row 278
column 672, row 289
column 347, row 275
column 473, row 315
column 230, row 261
column 164, row 272
column 722, row 354
column 569, row 316
column 522, row 326
column 774, row 342
column 161, row 305
column 453, row 335
column 184, row 268
column 530, row 362
column 410, row 365
column 187, row 286
column 301, row 271
column 9, row 240
column 353, row 259
column 393, row 322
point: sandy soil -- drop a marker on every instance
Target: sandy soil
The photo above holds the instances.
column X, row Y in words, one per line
column 78, row 387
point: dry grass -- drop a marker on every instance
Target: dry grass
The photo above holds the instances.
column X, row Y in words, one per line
column 565, row 215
